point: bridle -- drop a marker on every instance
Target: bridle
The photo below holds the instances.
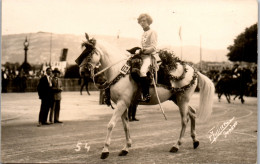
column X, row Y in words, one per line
column 88, row 65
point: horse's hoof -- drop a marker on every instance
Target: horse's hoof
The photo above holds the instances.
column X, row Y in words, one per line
column 123, row 153
column 196, row 144
column 104, row 155
column 174, row 149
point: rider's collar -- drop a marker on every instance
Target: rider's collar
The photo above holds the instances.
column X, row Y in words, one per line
column 146, row 28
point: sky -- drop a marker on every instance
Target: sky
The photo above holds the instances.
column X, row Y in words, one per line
column 212, row 24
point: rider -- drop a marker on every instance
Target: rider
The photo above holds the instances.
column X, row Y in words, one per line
column 149, row 44
column 236, row 71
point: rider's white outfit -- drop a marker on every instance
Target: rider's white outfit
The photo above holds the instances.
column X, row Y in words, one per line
column 149, row 40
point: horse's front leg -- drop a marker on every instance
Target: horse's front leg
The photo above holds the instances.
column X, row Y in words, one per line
column 183, row 107
column 227, row 97
column 118, row 112
column 87, row 87
column 128, row 144
column 235, row 97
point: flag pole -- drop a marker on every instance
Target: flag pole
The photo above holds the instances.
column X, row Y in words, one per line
column 180, row 40
column 50, row 47
column 200, row 55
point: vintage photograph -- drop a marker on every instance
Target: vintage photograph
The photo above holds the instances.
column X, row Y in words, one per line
column 129, row 81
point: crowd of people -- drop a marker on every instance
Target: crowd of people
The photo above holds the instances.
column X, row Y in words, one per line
column 19, row 78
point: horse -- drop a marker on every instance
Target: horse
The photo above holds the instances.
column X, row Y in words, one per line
column 85, row 78
column 123, row 89
column 234, row 84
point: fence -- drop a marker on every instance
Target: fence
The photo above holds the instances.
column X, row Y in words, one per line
column 30, row 85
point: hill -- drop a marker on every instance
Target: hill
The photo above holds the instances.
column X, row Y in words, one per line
column 42, row 44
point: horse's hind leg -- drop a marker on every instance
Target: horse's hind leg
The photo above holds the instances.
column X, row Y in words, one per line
column 118, row 112
column 192, row 115
column 242, row 99
column 219, row 96
column 183, row 107
column 125, row 121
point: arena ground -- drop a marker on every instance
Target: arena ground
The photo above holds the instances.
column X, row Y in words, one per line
column 81, row 137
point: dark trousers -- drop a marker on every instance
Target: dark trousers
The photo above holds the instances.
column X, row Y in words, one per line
column 45, row 107
column 132, row 110
column 55, row 111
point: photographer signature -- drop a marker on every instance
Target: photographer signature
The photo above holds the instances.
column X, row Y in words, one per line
column 225, row 129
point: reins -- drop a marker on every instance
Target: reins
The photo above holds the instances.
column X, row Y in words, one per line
column 103, row 70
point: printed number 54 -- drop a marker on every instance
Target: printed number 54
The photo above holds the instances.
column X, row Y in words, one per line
column 78, row 146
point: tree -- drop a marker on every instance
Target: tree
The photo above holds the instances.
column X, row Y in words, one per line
column 245, row 46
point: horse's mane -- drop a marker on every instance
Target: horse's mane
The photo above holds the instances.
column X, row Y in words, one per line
column 110, row 49
column 111, row 54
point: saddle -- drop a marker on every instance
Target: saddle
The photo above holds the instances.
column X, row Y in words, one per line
column 167, row 63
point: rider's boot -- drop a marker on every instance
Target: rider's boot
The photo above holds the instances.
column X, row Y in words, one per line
column 145, row 84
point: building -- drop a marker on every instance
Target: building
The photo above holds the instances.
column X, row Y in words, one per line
column 209, row 66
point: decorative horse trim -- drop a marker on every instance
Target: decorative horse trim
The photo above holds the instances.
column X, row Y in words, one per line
column 183, row 88
column 186, row 87
column 107, row 85
column 176, row 78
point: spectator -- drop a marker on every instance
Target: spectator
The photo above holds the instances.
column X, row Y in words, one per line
column 45, row 94
column 132, row 112
column 56, row 89
column 4, row 81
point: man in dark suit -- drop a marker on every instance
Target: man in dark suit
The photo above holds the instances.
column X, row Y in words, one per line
column 56, row 89
column 46, row 96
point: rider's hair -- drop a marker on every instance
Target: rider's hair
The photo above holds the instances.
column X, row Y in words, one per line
column 147, row 17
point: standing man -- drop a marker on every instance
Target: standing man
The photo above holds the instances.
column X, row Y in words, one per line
column 45, row 94
column 56, row 89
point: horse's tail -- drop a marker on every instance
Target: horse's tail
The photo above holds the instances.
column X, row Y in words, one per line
column 207, row 90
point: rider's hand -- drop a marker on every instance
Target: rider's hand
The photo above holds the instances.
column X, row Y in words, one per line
column 144, row 50
column 147, row 51
column 138, row 52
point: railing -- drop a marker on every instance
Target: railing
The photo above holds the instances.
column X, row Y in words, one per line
column 30, row 85
column 70, row 84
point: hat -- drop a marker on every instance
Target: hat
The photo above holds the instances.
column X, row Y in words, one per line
column 56, row 70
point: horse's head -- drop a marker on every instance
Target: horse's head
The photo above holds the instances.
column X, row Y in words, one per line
column 90, row 57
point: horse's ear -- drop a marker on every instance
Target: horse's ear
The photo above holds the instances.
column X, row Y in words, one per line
column 87, row 37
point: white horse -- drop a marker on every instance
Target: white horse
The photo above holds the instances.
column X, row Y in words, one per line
column 123, row 90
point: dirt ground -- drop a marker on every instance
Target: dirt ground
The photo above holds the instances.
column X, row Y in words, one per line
column 81, row 137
